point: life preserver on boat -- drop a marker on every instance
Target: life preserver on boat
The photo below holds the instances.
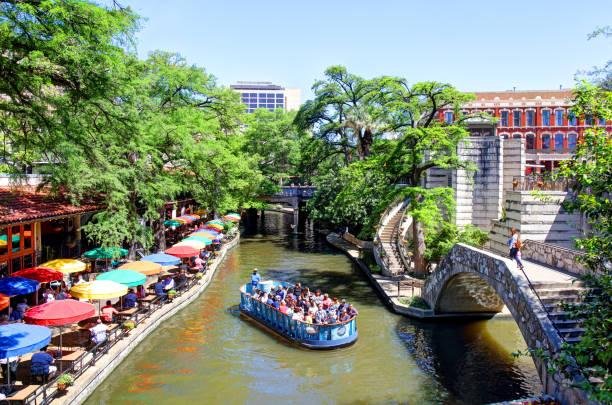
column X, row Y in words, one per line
column 341, row 330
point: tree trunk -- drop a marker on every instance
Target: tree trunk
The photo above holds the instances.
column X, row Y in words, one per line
column 365, row 143
column 418, row 238
column 159, row 234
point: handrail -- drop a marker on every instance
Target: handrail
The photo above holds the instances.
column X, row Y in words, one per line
column 405, row 260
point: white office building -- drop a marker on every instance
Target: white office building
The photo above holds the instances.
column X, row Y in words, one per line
column 267, row 95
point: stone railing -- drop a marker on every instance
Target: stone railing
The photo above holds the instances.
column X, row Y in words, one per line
column 404, row 225
column 380, row 254
column 555, row 256
column 362, row 244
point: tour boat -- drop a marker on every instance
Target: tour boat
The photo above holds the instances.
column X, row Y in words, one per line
column 310, row 336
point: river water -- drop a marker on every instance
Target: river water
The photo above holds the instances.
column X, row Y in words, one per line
column 207, row 354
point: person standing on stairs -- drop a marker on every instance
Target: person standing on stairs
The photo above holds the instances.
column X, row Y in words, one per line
column 514, row 244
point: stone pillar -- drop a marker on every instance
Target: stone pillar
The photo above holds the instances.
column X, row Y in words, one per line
column 296, row 218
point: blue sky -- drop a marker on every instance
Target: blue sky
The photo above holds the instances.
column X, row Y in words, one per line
column 474, row 45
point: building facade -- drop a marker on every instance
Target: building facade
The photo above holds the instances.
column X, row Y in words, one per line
column 543, row 118
column 267, row 95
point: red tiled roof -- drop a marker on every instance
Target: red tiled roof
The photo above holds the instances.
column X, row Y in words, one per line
column 26, row 205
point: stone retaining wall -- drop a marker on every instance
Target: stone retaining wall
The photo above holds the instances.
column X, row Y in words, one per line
column 555, row 256
column 95, row 375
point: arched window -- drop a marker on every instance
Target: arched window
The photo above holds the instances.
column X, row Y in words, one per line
column 516, row 136
column 558, row 141
column 572, row 140
column 546, row 142
column 505, row 135
column 530, row 141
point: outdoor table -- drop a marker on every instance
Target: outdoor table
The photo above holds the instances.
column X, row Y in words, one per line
column 127, row 313
column 24, row 392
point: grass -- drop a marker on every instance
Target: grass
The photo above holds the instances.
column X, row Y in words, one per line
column 415, row 302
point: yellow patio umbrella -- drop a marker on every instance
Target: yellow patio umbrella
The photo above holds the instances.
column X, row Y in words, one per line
column 143, row 266
column 98, row 290
column 66, row 266
column 196, row 244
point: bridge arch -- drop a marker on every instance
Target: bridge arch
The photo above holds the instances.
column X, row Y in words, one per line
column 471, row 281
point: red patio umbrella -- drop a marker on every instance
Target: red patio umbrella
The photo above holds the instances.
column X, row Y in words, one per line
column 59, row 313
column 40, row 274
column 4, row 301
column 183, row 251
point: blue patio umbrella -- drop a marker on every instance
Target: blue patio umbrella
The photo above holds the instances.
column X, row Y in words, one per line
column 162, row 259
column 12, row 286
column 19, row 338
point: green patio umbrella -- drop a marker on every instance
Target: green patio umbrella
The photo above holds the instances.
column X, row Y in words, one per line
column 202, row 239
column 128, row 278
column 215, row 221
column 171, row 222
column 105, row 253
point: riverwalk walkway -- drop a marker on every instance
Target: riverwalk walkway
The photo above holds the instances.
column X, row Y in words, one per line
column 95, row 374
column 396, row 293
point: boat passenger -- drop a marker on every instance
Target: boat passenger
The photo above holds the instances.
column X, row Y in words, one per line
column 334, row 305
column 308, row 318
column 327, row 302
column 352, row 311
column 320, row 315
column 332, row 317
column 255, row 278
column 312, row 308
column 283, row 307
column 270, row 300
column 298, row 315
column 276, row 302
column 344, row 316
column 264, row 298
column 318, row 298
column 297, row 290
column 342, row 306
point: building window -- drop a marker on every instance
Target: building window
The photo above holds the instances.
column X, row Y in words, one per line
column 546, row 118
column 572, row 140
column 572, row 121
column 602, row 122
column 504, row 118
column 559, row 118
column 448, row 117
column 588, row 120
column 516, row 118
column 505, row 136
column 530, row 118
column 530, row 142
column 546, row 142
column 559, row 141
column 516, row 136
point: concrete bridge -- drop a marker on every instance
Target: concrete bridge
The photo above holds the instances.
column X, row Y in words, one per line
column 471, row 281
column 293, row 196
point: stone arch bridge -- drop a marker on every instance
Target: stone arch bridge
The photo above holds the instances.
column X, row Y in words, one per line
column 471, row 281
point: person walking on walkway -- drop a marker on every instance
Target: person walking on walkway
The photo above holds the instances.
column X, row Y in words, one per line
column 515, row 244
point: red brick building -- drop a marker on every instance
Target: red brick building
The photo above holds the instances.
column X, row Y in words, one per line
column 543, row 118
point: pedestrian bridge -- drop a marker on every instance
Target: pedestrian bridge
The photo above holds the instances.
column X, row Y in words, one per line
column 470, row 281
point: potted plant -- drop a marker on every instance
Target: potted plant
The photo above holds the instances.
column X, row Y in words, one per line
column 128, row 326
column 64, row 381
column 171, row 294
column 199, row 276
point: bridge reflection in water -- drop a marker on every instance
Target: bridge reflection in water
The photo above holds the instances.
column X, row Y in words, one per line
column 207, row 354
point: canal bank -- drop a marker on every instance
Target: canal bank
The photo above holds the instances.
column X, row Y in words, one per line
column 208, row 354
column 95, row 375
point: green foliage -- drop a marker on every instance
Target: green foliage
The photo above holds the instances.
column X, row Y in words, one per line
column 274, row 142
column 416, row 302
column 65, row 379
column 352, row 196
column 590, row 173
column 131, row 133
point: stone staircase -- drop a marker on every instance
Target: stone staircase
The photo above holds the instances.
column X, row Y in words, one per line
column 554, row 296
column 388, row 240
